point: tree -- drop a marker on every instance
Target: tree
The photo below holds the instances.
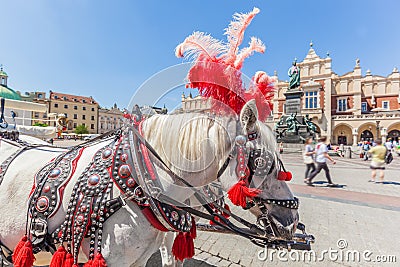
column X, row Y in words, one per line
column 40, row 124
column 81, row 129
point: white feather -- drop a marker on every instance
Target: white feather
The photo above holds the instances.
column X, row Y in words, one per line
column 235, row 31
column 198, row 45
column 255, row 44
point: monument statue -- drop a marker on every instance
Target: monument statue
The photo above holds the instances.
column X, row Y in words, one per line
column 292, row 123
column 310, row 125
column 294, row 74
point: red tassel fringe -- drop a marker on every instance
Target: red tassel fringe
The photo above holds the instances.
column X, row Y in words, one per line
column 58, row 257
column 193, row 232
column 99, row 261
column 69, row 260
column 18, row 247
column 25, row 257
column 183, row 247
column 239, row 192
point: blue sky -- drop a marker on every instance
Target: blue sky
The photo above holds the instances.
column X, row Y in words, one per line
column 107, row 49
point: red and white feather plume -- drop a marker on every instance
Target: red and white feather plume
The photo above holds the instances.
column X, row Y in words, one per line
column 216, row 71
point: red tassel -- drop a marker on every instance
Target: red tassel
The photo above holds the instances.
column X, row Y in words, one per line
column 189, row 246
column 58, row 257
column 99, row 261
column 25, row 256
column 18, row 247
column 179, row 248
column 238, row 193
column 75, row 265
column 282, row 176
column 183, row 247
column 288, row 176
column 69, row 260
column 193, row 232
column 89, row 263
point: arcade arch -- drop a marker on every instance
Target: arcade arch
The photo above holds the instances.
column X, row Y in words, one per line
column 342, row 134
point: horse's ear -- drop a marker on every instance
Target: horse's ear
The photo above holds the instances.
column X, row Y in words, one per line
column 248, row 116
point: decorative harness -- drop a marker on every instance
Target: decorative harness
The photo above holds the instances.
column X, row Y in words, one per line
column 128, row 161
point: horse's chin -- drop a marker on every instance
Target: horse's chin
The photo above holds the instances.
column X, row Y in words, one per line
column 285, row 221
column 285, row 232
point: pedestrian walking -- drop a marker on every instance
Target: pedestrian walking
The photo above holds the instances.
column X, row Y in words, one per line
column 366, row 148
column 378, row 153
column 280, row 148
column 321, row 152
column 308, row 158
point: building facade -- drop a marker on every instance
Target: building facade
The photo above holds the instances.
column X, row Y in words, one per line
column 347, row 108
column 110, row 119
column 78, row 110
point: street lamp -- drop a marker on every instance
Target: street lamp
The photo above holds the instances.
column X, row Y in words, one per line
column 377, row 129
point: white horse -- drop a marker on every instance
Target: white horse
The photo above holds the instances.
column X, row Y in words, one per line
column 194, row 146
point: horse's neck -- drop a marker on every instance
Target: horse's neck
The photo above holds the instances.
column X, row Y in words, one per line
column 192, row 145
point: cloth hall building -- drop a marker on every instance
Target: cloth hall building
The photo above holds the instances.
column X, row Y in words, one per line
column 347, row 108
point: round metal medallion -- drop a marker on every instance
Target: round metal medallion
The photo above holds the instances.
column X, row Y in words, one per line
column 93, row 180
column 124, row 157
column 130, row 182
column 260, row 162
column 55, row 173
column 106, row 153
column 46, row 188
column 124, row 171
column 42, row 204
column 174, row 215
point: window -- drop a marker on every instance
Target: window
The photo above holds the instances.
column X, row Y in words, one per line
column 311, row 99
column 83, row 101
column 75, row 107
column 101, row 125
column 342, row 104
column 56, row 97
column 84, row 124
column 74, row 124
column 83, row 108
column 92, row 126
column 83, row 117
column 40, row 95
column 65, row 106
column 55, row 105
column 92, row 118
column 385, row 104
column 36, row 115
column 92, row 109
column 364, row 106
column 75, row 116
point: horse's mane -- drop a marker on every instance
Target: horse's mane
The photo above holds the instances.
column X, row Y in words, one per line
column 191, row 141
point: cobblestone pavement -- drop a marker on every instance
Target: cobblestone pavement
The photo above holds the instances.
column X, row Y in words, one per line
column 364, row 216
column 353, row 213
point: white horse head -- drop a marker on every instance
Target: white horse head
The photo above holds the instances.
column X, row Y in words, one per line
column 195, row 146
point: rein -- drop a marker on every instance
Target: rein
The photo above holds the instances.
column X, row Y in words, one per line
column 253, row 232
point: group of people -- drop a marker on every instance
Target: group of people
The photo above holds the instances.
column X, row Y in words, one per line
column 319, row 156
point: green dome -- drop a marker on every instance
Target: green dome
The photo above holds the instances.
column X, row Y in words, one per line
column 3, row 73
column 8, row 93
